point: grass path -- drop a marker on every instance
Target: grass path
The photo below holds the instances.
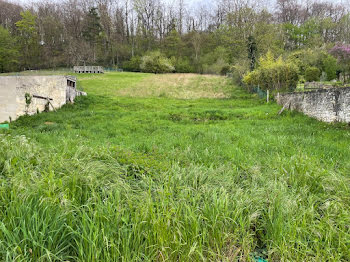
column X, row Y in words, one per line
column 173, row 168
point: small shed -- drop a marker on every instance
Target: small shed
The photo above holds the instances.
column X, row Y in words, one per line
column 20, row 95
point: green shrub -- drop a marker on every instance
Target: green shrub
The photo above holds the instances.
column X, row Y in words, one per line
column 133, row 65
column 330, row 67
column 312, row 74
column 183, row 65
column 305, row 58
column 225, row 70
column 318, row 58
column 156, row 62
column 216, row 68
column 274, row 75
column 239, row 69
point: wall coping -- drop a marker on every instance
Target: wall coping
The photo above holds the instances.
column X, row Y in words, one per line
column 320, row 90
column 66, row 76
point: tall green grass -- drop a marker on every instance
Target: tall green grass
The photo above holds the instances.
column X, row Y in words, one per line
column 115, row 178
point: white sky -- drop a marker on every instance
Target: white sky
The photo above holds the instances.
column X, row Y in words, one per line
column 190, row 3
column 186, row 1
column 196, row 3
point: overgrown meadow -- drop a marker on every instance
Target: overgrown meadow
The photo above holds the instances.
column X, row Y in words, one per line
column 173, row 168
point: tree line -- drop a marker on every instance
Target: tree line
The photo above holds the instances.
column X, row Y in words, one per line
column 228, row 35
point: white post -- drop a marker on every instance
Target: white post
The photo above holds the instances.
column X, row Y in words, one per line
column 267, row 96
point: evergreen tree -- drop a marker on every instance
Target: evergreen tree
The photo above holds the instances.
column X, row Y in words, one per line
column 93, row 28
column 173, row 44
column 92, row 31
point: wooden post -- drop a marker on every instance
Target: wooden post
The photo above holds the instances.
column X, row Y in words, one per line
column 285, row 106
column 267, row 96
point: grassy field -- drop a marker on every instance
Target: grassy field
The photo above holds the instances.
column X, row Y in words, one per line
column 173, row 168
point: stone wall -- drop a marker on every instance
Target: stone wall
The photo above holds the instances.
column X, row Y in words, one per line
column 14, row 88
column 328, row 105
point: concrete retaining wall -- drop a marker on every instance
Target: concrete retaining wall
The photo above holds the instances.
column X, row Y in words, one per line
column 328, row 105
column 60, row 89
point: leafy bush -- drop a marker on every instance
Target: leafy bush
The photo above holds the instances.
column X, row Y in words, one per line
column 312, row 74
column 211, row 57
column 213, row 62
column 225, row 70
column 342, row 53
column 239, row 69
column 330, row 67
column 273, row 74
column 315, row 58
column 183, row 65
column 133, row 65
column 156, row 62
column 304, row 59
column 215, row 68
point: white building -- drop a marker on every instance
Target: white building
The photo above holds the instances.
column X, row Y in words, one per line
column 21, row 95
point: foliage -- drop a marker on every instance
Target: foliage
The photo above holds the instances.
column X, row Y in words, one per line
column 93, row 34
column 329, row 65
column 268, row 36
column 8, row 51
column 305, row 58
column 173, row 44
column 183, row 65
column 156, row 62
column 213, row 62
column 318, row 58
column 274, row 75
column 212, row 57
column 216, row 68
column 304, row 35
column 252, row 50
column 342, row 53
column 312, row 74
column 238, row 70
column 107, row 35
column 118, row 178
column 225, row 70
column 133, row 65
column 28, row 39
column 92, row 30
column 28, row 99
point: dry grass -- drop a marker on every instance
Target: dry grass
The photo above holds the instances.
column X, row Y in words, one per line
column 181, row 86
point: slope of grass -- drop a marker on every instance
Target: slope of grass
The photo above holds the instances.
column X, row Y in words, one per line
column 123, row 175
column 182, row 86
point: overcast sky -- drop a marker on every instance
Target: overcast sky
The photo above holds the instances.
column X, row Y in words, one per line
column 188, row 2
column 194, row 3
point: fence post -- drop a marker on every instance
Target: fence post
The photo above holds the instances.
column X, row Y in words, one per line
column 267, row 96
